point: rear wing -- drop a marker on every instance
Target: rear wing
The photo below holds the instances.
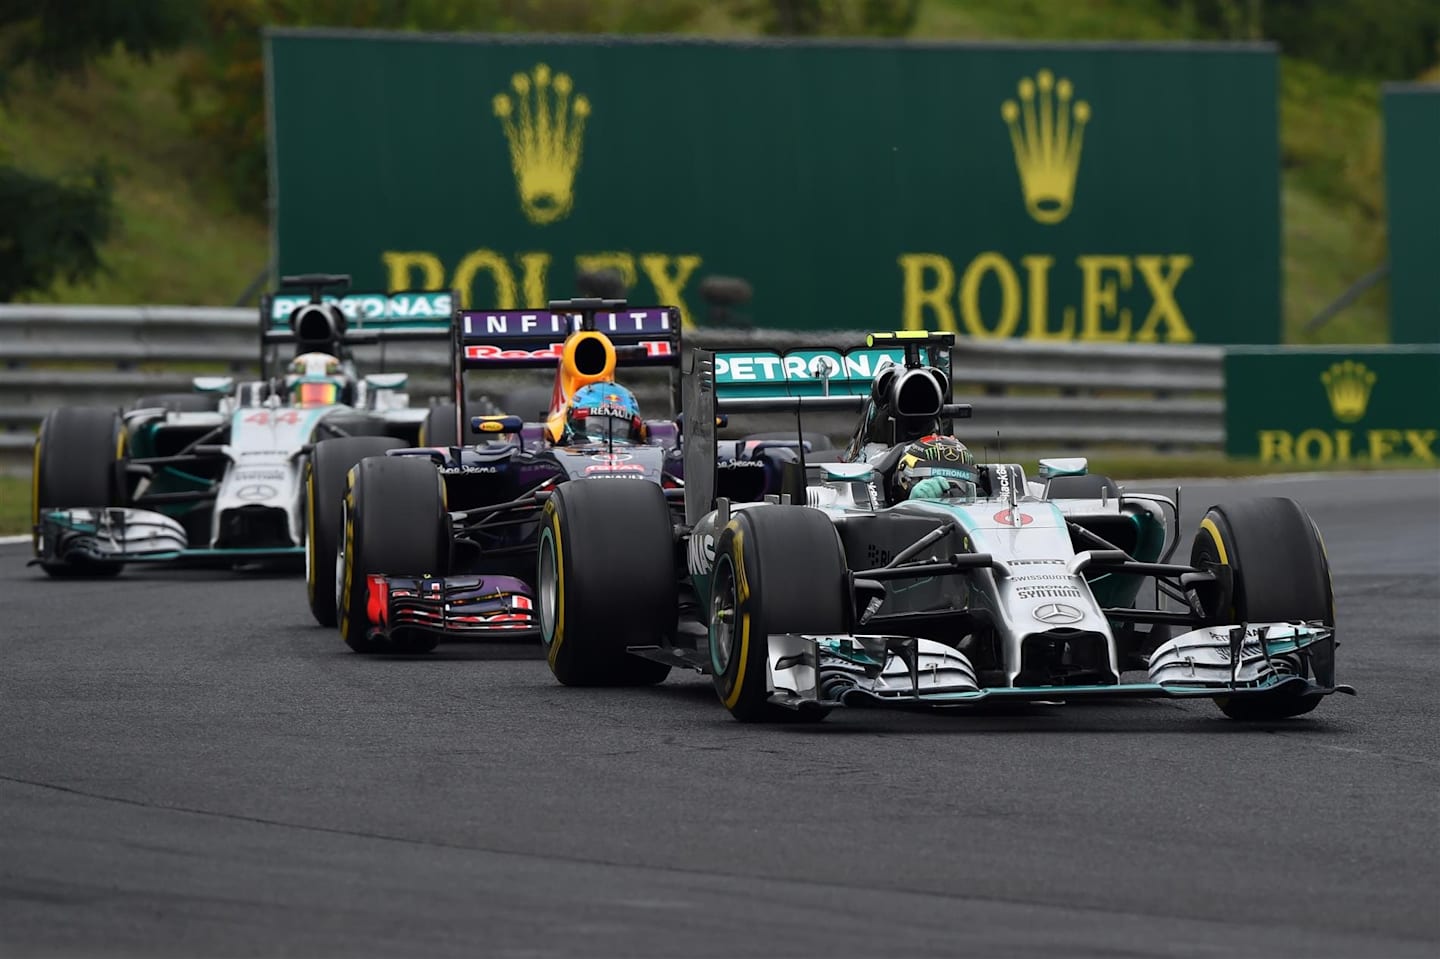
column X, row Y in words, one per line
column 643, row 336
column 771, row 374
column 775, row 374
column 796, row 381
column 758, row 381
column 330, row 322
column 407, row 310
column 518, row 339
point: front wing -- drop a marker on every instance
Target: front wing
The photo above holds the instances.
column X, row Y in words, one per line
column 1254, row 660
column 453, row 607
column 107, row 535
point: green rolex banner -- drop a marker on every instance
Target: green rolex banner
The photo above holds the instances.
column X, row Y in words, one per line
column 1333, row 405
column 1124, row 193
column 1412, row 195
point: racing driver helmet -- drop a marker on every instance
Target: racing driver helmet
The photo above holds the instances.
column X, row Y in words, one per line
column 316, row 379
column 605, row 412
column 935, row 467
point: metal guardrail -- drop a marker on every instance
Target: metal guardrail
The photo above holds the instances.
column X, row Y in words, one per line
column 1032, row 394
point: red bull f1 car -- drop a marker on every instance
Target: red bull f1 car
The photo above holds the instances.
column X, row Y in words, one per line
column 439, row 542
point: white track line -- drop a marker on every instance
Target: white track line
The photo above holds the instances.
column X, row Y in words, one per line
column 12, row 540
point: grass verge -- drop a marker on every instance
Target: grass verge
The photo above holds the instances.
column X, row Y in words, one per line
column 14, row 505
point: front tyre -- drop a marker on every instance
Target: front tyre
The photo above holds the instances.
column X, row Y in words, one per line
column 396, row 523
column 325, row 471
column 1280, row 573
column 778, row 569
column 605, row 581
column 77, row 464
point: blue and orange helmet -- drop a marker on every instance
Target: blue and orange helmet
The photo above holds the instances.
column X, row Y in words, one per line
column 604, row 412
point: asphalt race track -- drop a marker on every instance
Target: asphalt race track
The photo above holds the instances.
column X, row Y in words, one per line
column 188, row 766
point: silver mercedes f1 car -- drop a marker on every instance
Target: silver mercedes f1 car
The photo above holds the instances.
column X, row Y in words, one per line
column 215, row 476
column 842, row 591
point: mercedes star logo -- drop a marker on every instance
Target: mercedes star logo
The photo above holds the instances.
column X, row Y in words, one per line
column 1058, row 614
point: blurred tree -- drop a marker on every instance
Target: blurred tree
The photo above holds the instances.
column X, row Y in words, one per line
column 1380, row 39
column 56, row 38
column 53, row 228
column 883, row 18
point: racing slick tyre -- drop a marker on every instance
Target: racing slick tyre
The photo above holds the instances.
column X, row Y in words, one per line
column 439, row 428
column 179, row 402
column 817, row 441
column 606, row 580
column 77, row 456
column 1089, row 486
column 530, row 403
column 778, row 569
column 345, row 425
column 325, row 471
column 1281, row 574
column 395, row 522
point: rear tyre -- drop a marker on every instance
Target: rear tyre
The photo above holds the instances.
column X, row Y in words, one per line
column 530, row 403
column 1089, row 486
column 325, row 471
column 347, row 425
column 440, row 427
column 1280, row 573
column 395, row 522
column 605, row 581
column 77, row 457
column 778, row 569
column 817, row 441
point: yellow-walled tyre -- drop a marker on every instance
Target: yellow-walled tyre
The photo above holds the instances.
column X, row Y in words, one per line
column 325, row 471
column 606, row 580
column 1280, row 572
column 394, row 522
column 778, row 569
column 77, row 464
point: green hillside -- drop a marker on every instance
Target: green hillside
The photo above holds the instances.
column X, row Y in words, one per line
column 183, row 241
column 180, row 240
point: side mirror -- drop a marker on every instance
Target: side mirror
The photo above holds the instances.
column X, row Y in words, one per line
column 501, row 424
column 847, row 472
column 213, row 384
column 1068, row 466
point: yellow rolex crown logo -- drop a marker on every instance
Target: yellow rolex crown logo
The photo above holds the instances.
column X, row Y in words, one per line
column 1348, row 385
column 1047, row 130
column 545, row 127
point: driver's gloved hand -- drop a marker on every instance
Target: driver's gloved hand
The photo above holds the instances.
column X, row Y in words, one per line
column 933, row 487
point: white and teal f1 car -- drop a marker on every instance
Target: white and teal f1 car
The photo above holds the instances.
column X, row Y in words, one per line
column 219, row 475
column 835, row 593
